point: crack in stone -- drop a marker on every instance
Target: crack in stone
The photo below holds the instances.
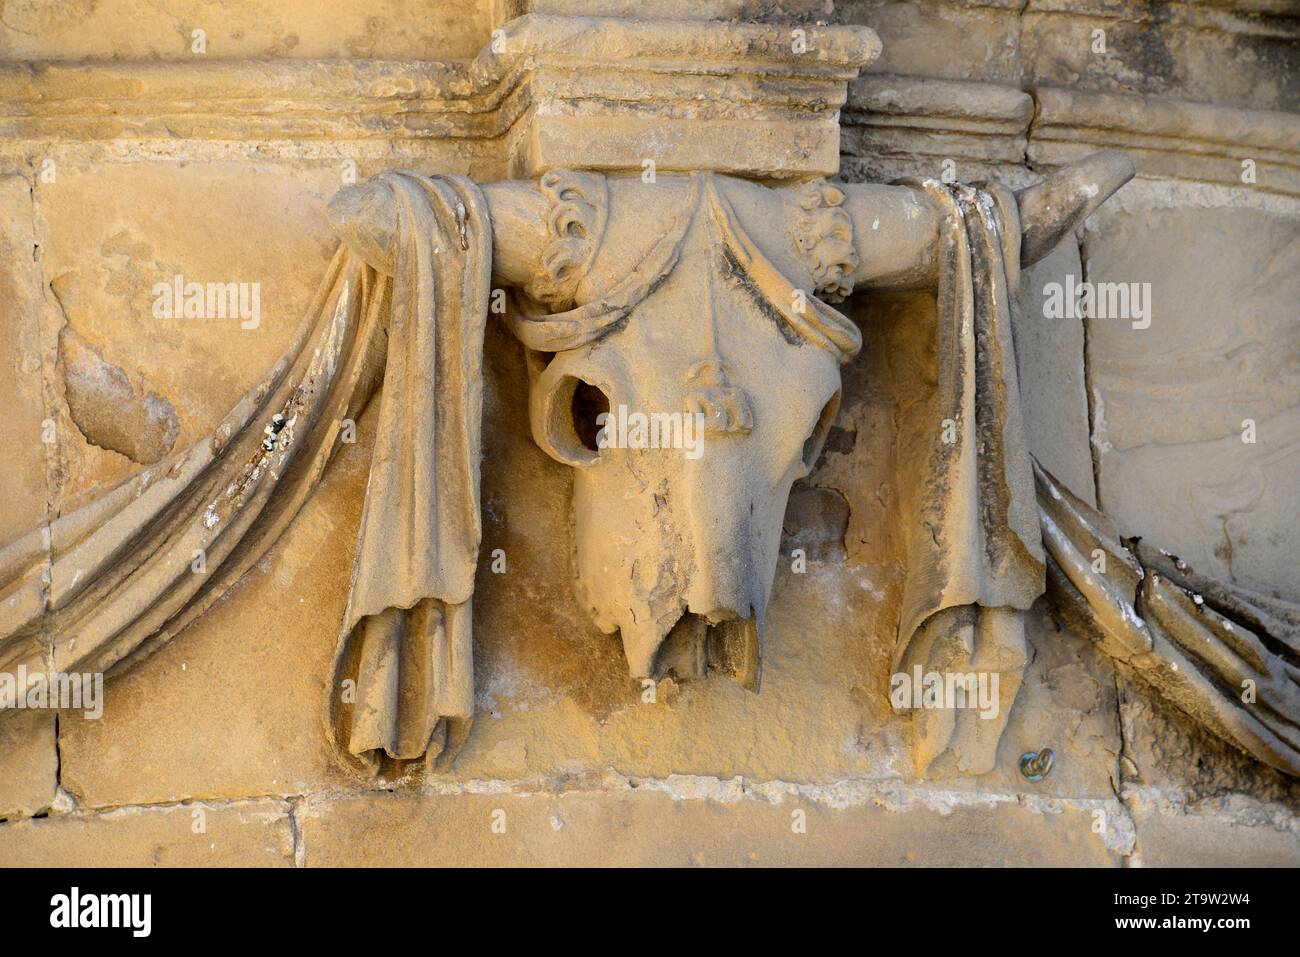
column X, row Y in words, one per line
column 1133, row 858
column 1089, row 386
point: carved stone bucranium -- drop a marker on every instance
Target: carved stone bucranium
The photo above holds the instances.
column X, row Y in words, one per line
column 694, row 301
column 685, row 301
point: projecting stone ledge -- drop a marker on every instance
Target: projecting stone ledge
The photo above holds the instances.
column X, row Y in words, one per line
column 752, row 99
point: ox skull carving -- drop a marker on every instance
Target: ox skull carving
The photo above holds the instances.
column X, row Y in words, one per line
column 677, row 544
column 700, row 300
column 703, row 294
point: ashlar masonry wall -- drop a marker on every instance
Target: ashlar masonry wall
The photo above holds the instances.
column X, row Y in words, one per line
column 129, row 158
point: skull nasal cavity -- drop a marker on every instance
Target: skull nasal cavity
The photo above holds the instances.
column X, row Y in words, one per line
column 588, row 403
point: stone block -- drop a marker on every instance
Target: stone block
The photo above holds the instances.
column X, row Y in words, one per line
column 1175, row 402
column 1231, row 55
column 1231, row 832
column 734, row 97
column 650, row 826
column 29, row 763
column 1053, row 381
column 247, row 834
column 920, row 38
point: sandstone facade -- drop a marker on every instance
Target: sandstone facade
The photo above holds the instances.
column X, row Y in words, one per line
column 130, row 156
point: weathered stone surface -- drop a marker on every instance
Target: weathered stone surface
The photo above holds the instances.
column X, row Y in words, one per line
column 1050, row 360
column 1067, row 703
column 29, row 763
column 668, row 9
column 27, row 360
column 107, row 409
column 1230, row 54
column 815, row 521
column 966, row 124
column 233, row 708
column 681, row 823
column 688, row 118
column 1173, row 402
column 149, row 222
column 1228, row 831
column 1194, row 51
column 245, row 834
column 919, row 37
column 129, row 29
column 1170, row 139
column 1166, row 751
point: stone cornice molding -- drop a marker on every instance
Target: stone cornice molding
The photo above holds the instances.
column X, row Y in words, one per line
column 1169, row 138
column 248, row 99
column 568, row 91
column 1267, row 18
column 1047, row 127
column 1261, row 18
column 908, row 115
column 604, row 93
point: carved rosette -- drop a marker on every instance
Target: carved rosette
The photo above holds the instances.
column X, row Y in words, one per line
column 575, row 225
column 822, row 233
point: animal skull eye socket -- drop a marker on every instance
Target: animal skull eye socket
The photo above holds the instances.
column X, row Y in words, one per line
column 569, row 426
column 587, row 404
column 812, row 446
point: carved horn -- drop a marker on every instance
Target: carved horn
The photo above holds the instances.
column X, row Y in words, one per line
column 519, row 229
column 519, row 234
column 1065, row 199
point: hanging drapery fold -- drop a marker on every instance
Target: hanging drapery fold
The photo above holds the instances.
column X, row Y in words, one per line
column 973, row 550
column 406, row 640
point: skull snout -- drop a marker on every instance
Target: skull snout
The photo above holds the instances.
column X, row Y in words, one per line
column 677, row 542
column 728, row 580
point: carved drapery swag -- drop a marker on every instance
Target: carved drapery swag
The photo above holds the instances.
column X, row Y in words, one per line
column 986, row 522
column 112, row 581
column 404, row 302
column 1226, row 656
